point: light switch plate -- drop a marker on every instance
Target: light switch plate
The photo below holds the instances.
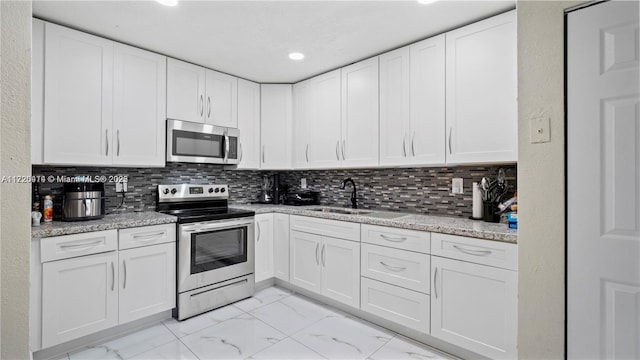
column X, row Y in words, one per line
column 303, row 183
column 457, row 186
column 540, row 131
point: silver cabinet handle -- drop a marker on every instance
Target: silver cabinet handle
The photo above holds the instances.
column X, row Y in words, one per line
column 263, row 146
column 118, row 142
column 404, row 145
column 317, row 261
column 393, row 238
column 201, row 105
column 472, row 252
column 344, row 145
column 148, row 237
column 307, row 152
column 124, row 266
column 392, row 267
column 83, row 245
column 322, row 256
column 106, row 139
column 413, row 150
column 208, row 106
column 450, row 132
column 240, row 160
column 435, row 284
column 258, row 226
column 337, row 149
column 113, row 276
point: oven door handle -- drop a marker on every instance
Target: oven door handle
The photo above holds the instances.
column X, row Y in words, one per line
column 220, row 226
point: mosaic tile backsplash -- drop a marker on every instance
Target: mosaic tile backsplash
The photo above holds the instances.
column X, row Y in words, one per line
column 419, row 190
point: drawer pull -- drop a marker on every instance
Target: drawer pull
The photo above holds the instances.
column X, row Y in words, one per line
column 473, row 252
column 148, row 237
column 77, row 246
column 392, row 267
column 393, row 238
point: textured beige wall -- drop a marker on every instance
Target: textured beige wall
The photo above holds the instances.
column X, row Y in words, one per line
column 541, row 190
column 15, row 229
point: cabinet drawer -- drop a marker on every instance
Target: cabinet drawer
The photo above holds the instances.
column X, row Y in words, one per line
column 68, row 246
column 402, row 306
column 397, row 238
column 399, row 267
column 486, row 252
column 146, row 235
column 332, row 228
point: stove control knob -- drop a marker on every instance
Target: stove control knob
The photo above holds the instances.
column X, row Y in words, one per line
column 223, row 190
column 210, row 190
column 217, row 190
column 173, row 191
column 165, row 191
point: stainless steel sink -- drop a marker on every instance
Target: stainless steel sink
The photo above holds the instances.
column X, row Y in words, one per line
column 342, row 211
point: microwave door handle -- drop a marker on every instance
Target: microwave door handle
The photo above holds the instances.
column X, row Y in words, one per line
column 226, row 146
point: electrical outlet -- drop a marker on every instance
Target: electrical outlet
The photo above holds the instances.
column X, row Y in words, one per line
column 121, row 187
column 457, row 186
column 303, row 183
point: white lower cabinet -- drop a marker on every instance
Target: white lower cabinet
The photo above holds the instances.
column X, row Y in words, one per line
column 327, row 266
column 475, row 307
column 281, row 246
column 264, row 247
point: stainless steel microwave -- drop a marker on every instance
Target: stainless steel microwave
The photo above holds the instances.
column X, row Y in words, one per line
column 201, row 143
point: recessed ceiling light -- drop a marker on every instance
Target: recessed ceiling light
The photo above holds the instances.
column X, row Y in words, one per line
column 296, row 56
column 168, row 2
column 425, row 2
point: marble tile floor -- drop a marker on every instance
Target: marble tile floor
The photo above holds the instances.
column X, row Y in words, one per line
column 273, row 324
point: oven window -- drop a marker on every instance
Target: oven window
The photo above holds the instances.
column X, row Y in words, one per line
column 187, row 143
column 216, row 249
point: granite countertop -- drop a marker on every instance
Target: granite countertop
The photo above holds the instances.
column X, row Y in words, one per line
column 115, row 221
column 412, row 221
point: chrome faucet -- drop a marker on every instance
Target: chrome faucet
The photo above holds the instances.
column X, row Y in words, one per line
column 354, row 201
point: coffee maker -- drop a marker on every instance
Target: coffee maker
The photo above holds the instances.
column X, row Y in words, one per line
column 270, row 191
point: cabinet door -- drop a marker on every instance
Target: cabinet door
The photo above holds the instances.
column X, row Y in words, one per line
column 276, row 126
column 395, row 133
column 264, row 247
column 281, row 246
column 185, row 91
column 475, row 307
column 147, row 281
column 303, row 118
column 221, row 104
column 325, row 131
column 482, row 91
column 139, row 107
column 79, row 297
column 360, row 114
column 304, row 263
column 78, row 91
column 249, row 124
column 426, row 141
column 37, row 91
column 341, row 270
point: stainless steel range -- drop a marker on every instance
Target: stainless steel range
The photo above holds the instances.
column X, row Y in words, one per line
column 215, row 247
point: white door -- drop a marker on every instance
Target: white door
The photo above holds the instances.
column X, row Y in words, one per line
column 147, row 281
column 475, row 307
column 264, row 247
column 304, row 261
column 302, row 124
column 481, row 99
column 281, row 246
column 395, row 133
column 79, row 297
column 341, row 270
column 359, row 145
column 276, row 125
column 185, row 91
column 427, row 139
column 249, row 124
column 78, row 90
column 325, row 131
column 603, row 182
column 221, row 104
column 139, row 107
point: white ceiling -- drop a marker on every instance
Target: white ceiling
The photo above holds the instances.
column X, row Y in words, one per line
column 251, row 39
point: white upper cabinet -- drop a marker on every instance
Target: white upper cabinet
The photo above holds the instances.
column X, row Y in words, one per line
column 139, row 107
column 201, row 95
column 426, row 139
column 276, row 124
column 78, row 89
column 482, row 91
column 302, row 123
column 185, row 91
column 222, row 99
column 249, row 124
column 326, row 127
column 37, row 92
column 359, row 147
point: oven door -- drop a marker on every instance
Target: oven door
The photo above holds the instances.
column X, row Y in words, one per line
column 214, row 251
column 201, row 143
